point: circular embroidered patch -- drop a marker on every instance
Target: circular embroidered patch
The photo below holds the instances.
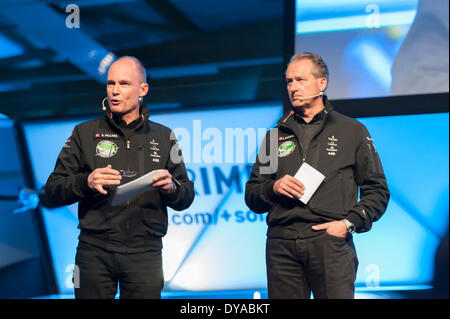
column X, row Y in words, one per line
column 106, row 148
column 286, row 148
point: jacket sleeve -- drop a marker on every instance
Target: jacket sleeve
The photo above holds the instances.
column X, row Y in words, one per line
column 184, row 194
column 67, row 184
column 369, row 176
column 259, row 194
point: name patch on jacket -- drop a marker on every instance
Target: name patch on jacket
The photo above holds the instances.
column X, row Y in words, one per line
column 281, row 138
column 106, row 148
column 106, row 135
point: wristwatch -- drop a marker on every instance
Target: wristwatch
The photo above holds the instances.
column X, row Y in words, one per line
column 173, row 187
column 350, row 227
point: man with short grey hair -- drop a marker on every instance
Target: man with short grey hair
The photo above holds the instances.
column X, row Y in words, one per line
column 310, row 246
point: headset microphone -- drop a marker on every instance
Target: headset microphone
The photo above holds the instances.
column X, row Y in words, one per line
column 302, row 98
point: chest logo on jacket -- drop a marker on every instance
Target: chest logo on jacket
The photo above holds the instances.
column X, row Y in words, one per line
column 154, row 150
column 332, row 146
column 106, row 149
column 286, row 148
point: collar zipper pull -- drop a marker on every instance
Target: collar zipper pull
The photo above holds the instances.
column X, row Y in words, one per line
column 287, row 117
column 128, row 144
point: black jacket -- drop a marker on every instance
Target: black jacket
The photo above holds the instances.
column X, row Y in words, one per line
column 139, row 224
column 344, row 152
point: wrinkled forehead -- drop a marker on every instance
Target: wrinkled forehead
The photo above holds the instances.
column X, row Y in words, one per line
column 301, row 67
column 124, row 69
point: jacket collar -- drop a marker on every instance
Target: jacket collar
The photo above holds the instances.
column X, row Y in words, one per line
column 289, row 118
column 143, row 114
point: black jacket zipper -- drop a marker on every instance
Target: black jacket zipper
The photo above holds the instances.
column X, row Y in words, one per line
column 304, row 153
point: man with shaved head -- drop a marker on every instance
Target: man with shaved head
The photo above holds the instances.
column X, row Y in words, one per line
column 120, row 244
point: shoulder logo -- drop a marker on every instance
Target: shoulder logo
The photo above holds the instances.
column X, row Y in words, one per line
column 370, row 144
column 286, row 148
column 106, row 149
column 67, row 145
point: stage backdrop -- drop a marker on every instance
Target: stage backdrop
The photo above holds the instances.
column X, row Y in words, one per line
column 218, row 243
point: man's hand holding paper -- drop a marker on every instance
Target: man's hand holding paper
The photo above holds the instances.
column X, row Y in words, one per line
column 163, row 181
column 302, row 186
column 157, row 179
column 102, row 177
column 311, row 178
column 289, row 186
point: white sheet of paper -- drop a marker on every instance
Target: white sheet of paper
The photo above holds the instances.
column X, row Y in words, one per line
column 311, row 178
column 132, row 189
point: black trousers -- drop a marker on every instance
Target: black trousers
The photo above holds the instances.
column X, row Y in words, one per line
column 98, row 273
column 324, row 265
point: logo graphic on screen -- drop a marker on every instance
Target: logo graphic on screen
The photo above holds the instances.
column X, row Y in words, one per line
column 286, row 148
column 106, row 149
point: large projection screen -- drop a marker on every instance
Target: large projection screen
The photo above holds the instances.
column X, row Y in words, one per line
column 377, row 48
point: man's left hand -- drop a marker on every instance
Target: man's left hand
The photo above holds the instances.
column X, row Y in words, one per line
column 335, row 228
column 163, row 181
